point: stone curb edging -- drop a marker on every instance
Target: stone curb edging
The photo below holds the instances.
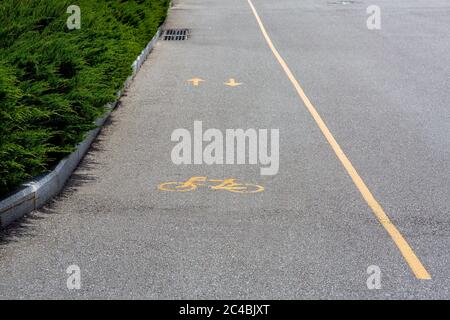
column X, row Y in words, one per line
column 39, row 191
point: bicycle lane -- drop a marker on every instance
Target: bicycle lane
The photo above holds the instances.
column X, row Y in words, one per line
column 308, row 234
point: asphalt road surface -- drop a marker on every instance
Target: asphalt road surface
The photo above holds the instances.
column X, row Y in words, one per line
column 313, row 232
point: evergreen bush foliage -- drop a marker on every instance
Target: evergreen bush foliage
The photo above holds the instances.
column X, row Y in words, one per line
column 54, row 82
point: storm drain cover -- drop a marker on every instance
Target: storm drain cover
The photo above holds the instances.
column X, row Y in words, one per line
column 175, row 34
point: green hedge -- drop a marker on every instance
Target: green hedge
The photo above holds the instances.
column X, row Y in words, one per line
column 55, row 82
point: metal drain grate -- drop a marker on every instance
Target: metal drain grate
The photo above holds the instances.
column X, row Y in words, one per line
column 175, row 34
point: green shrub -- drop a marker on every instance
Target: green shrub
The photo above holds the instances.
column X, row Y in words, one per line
column 55, row 82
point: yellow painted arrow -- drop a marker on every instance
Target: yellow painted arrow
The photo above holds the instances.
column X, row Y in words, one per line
column 232, row 83
column 196, row 81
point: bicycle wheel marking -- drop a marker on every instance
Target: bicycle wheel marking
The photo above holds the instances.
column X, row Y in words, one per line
column 193, row 183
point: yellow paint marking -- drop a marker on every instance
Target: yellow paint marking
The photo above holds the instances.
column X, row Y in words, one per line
column 225, row 184
column 196, row 81
column 413, row 261
column 232, row 83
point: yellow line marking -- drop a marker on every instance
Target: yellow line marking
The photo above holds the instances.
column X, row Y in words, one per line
column 196, row 81
column 232, row 83
column 413, row 261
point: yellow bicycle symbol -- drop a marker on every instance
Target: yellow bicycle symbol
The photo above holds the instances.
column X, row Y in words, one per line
column 226, row 184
